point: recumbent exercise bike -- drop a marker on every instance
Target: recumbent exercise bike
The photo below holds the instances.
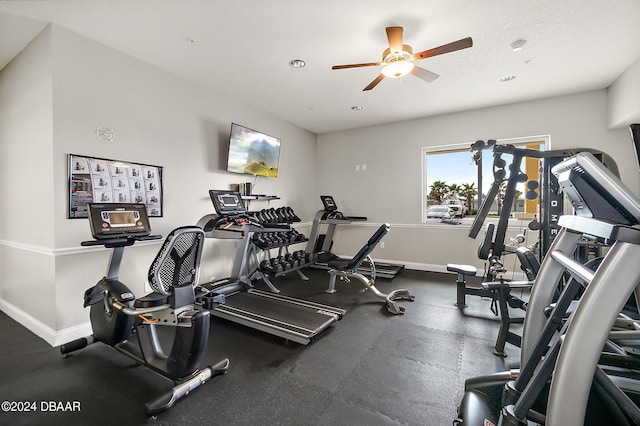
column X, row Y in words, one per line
column 129, row 325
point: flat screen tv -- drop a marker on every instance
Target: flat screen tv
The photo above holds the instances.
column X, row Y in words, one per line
column 252, row 152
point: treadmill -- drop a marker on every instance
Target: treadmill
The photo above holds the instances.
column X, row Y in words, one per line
column 235, row 299
column 320, row 244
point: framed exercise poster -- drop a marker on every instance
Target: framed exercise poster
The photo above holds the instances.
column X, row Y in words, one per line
column 100, row 180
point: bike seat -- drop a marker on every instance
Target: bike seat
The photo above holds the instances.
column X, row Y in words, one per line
column 340, row 265
column 150, row 300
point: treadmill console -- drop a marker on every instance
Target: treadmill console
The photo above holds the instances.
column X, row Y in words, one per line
column 329, row 204
column 595, row 191
column 331, row 210
column 227, row 203
column 118, row 220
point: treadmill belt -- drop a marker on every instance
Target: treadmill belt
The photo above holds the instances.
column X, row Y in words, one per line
column 293, row 319
column 280, row 310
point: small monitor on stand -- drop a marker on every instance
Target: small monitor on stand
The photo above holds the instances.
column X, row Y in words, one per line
column 227, row 202
column 118, row 220
column 329, row 204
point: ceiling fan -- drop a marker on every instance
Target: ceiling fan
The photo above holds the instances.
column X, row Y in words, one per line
column 398, row 60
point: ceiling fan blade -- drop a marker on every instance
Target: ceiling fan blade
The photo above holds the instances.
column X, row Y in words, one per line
column 374, row 83
column 426, row 75
column 394, row 35
column 445, row 48
column 341, row 67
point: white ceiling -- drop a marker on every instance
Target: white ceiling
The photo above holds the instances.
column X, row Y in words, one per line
column 243, row 47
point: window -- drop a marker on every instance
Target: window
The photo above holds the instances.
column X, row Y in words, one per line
column 451, row 177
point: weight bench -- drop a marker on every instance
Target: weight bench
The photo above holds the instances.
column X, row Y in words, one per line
column 463, row 271
column 461, row 284
column 347, row 269
column 500, row 292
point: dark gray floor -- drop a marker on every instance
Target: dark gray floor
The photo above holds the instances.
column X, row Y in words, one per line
column 369, row 369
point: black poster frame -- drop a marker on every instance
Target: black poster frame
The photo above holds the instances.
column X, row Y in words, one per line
column 104, row 180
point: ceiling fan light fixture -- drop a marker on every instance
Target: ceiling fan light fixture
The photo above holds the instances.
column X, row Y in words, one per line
column 398, row 59
column 397, row 69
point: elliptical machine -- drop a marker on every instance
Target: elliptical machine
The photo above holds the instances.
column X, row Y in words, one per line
column 129, row 325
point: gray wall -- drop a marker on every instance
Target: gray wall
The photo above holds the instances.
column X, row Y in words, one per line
column 390, row 189
column 623, row 106
column 26, row 186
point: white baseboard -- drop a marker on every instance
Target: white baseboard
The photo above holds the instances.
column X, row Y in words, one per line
column 416, row 266
column 46, row 333
column 72, row 333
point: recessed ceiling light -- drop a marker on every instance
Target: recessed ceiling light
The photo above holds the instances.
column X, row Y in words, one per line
column 356, row 108
column 297, row 63
column 507, row 78
column 518, row 44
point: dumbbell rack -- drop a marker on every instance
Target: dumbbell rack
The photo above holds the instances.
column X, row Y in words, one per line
column 270, row 230
column 277, row 233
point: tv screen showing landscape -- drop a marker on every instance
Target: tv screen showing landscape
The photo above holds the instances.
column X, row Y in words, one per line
column 252, row 152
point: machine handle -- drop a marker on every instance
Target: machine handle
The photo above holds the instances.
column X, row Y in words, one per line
column 74, row 345
column 138, row 311
column 119, row 242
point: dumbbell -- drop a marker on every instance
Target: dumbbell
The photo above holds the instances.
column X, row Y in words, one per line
column 260, row 241
column 299, row 257
column 288, row 257
column 280, row 213
column 265, row 217
column 285, row 265
column 279, row 239
column 259, row 217
column 292, row 215
column 276, row 265
column 266, row 266
column 271, row 240
column 290, row 237
column 272, row 215
column 254, row 216
column 286, row 213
